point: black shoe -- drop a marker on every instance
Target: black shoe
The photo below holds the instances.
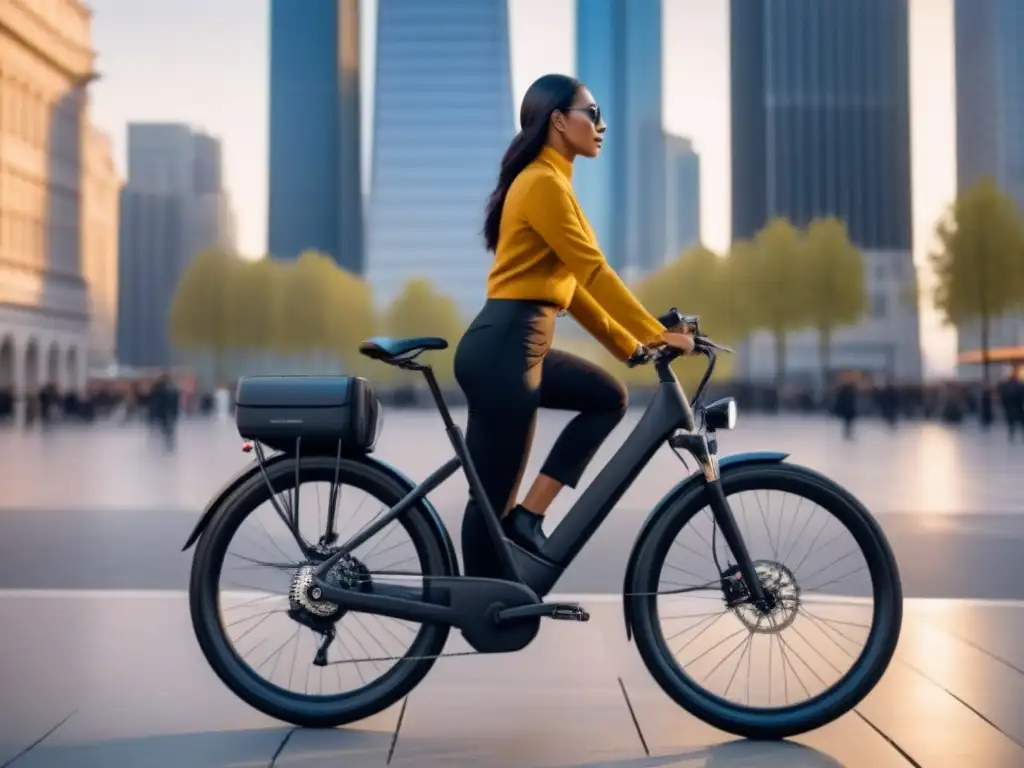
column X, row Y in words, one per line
column 523, row 528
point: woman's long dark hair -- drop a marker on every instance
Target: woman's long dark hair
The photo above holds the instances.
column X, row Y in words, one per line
column 548, row 94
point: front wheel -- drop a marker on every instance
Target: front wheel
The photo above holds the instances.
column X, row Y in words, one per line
column 828, row 629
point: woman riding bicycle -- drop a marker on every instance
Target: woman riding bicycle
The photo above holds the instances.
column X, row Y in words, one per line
column 546, row 259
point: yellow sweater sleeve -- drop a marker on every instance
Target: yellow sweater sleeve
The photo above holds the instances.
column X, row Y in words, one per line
column 601, row 325
column 551, row 211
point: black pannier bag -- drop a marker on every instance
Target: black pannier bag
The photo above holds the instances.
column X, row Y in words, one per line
column 322, row 410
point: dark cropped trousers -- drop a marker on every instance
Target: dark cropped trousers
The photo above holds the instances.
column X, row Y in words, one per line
column 507, row 370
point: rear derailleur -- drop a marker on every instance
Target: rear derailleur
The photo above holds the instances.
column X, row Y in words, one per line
column 321, row 616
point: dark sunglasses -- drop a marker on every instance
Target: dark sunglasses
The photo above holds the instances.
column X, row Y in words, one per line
column 593, row 112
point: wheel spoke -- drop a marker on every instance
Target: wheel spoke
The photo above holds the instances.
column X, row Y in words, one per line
column 254, row 592
column 796, row 551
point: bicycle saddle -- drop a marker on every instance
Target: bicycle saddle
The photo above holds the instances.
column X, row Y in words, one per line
column 386, row 348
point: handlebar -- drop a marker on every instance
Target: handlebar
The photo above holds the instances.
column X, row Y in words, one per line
column 702, row 345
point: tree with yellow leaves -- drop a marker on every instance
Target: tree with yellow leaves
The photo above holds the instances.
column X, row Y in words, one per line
column 200, row 318
column 979, row 264
column 767, row 275
column 255, row 300
column 352, row 317
column 420, row 310
column 308, row 296
column 833, row 280
column 697, row 283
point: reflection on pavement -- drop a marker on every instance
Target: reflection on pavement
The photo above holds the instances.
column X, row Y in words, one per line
column 919, row 468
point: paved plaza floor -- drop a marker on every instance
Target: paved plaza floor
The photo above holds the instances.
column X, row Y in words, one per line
column 99, row 665
column 115, row 680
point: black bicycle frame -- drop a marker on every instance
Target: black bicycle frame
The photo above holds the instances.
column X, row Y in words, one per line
column 669, row 415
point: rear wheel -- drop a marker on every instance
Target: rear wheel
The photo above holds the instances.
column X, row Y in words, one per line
column 820, row 644
column 261, row 632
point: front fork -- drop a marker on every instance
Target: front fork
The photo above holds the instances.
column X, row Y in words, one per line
column 698, row 445
column 727, row 525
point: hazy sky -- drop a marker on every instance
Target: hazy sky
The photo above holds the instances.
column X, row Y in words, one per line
column 205, row 62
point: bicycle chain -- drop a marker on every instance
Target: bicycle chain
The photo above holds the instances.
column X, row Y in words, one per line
column 406, row 658
column 458, row 654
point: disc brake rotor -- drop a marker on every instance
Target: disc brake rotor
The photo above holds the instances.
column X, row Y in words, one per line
column 780, row 586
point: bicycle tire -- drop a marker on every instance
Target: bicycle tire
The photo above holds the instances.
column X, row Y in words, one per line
column 829, row 705
column 301, row 709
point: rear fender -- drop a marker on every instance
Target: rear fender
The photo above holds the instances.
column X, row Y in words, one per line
column 400, row 479
column 727, row 464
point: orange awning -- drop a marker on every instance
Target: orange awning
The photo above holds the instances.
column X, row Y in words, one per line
column 1006, row 355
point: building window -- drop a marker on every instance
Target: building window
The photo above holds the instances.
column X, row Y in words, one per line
column 878, row 305
column 14, row 122
column 25, row 123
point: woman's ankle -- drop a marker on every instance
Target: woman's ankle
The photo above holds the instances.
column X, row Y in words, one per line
column 527, row 510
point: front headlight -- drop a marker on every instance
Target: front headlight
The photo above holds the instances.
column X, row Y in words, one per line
column 721, row 414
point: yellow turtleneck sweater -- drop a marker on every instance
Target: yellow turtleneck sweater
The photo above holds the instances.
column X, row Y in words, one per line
column 547, row 251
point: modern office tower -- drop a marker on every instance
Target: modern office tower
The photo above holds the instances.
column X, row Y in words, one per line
column 175, row 159
column 153, row 253
column 208, row 171
column 170, row 209
column 821, row 126
column 622, row 193
column 442, row 121
column 316, row 199
column 990, row 122
column 682, row 196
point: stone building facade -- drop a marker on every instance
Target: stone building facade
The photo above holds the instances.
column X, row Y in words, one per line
column 46, row 65
column 101, row 190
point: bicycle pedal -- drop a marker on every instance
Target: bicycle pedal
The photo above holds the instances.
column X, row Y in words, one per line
column 569, row 613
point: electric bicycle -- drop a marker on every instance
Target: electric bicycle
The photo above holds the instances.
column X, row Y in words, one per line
column 317, row 429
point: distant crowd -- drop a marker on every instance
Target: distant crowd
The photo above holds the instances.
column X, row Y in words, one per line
column 853, row 397
column 162, row 401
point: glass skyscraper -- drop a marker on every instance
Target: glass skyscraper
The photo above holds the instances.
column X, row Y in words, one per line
column 682, row 195
column 821, row 126
column 315, row 186
column 442, row 121
column 622, row 193
column 821, row 116
column 990, row 119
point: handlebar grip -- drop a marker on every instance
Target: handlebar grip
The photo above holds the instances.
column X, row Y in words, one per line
column 671, row 318
column 674, row 318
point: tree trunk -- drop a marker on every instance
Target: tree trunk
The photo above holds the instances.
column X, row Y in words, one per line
column 217, row 367
column 780, row 361
column 825, row 356
column 985, row 415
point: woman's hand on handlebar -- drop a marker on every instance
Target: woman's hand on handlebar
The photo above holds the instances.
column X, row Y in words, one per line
column 683, row 342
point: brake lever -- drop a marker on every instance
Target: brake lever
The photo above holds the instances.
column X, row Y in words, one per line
column 706, row 344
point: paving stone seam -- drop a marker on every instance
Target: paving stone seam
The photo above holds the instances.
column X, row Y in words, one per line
column 39, row 741
column 889, row 740
column 398, row 728
column 970, row 643
column 984, row 718
column 632, row 714
column 280, row 747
